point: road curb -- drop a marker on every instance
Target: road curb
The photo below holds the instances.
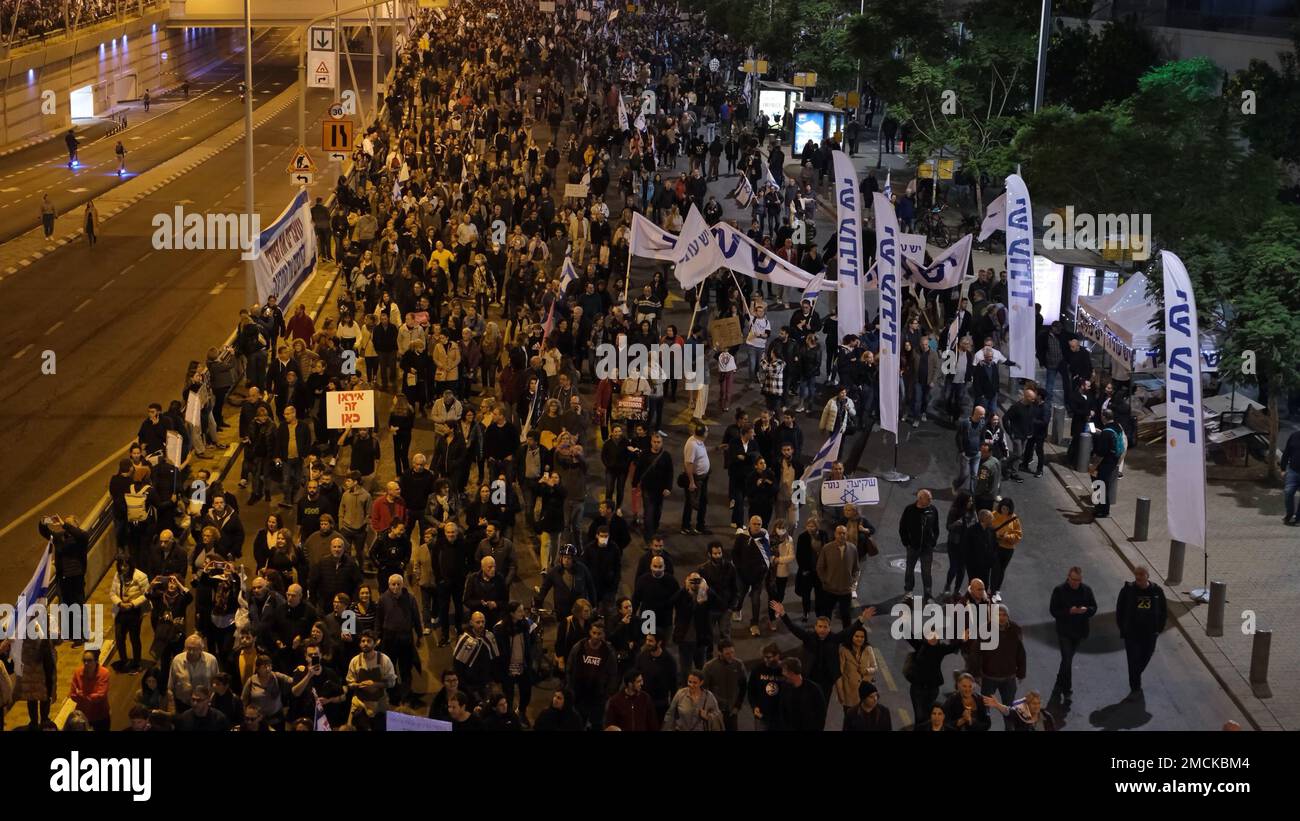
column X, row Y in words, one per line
column 1228, row 676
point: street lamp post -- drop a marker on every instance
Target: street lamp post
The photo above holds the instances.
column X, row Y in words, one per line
column 250, row 278
column 1044, row 31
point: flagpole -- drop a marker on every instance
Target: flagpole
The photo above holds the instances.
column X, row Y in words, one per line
column 627, row 283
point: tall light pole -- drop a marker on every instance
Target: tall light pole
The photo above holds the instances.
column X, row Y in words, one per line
column 250, row 279
column 1044, row 32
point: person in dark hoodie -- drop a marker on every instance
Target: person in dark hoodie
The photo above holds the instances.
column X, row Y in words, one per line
column 821, row 647
column 1073, row 606
column 560, row 716
column 605, row 560
column 658, row 669
column 868, row 716
column 1141, row 612
column 693, row 609
column 592, row 675
column 764, row 688
column 801, row 705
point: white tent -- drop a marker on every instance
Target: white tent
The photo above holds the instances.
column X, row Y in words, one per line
column 1121, row 323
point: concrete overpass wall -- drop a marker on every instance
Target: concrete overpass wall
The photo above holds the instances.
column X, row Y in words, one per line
column 117, row 61
column 282, row 12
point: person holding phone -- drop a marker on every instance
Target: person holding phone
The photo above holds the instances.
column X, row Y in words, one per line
column 965, row 709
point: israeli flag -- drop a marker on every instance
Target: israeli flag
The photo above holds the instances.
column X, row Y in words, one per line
column 814, row 289
column 744, row 193
column 821, row 463
column 889, row 187
column 36, row 592
column 567, row 273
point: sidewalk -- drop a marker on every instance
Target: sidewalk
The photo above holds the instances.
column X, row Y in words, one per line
column 1250, row 550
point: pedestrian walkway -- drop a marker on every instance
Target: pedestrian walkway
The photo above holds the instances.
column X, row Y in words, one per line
column 1250, row 549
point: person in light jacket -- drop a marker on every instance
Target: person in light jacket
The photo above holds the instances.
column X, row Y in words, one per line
column 837, row 565
column 857, row 665
column 693, row 708
column 128, row 595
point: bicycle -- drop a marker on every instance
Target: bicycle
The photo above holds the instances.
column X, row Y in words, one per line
column 936, row 230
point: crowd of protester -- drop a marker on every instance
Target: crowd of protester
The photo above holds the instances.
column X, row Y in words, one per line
column 28, row 19
column 457, row 303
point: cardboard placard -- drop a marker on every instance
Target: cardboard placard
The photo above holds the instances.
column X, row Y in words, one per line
column 350, row 408
column 725, row 333
column 862, row 491
column 576, row 190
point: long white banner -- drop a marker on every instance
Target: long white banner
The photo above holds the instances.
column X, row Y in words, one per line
column 740, row 253
column 288, row 253
column 1020, row 278
column 891, row 301
column 1184, row 436
column 848, row 236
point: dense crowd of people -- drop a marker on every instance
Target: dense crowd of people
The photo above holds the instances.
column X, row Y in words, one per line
column 478, row 297
column 29, row 19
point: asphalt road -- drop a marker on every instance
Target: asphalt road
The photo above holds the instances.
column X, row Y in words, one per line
column 173, row 125
column 122, row 322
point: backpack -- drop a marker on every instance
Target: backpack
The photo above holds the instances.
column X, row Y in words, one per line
column 1117, row 442
column 137, row 504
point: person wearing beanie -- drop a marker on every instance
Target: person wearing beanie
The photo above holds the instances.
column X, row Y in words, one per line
column 868, row 715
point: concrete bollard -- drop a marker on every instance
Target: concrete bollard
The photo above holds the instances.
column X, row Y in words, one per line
column 1259, row 650
column 1083, row 454
column 1177, row 554
column 1141, row 519
column 1058, row 426
column 1218, row 599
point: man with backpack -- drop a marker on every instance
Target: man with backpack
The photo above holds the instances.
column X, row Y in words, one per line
column 1109, row 445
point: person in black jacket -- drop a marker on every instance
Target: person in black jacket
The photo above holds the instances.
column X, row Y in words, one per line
column 1039, row 423
column 616, row 456
column 868, row 716
column 1072, row 606
column 918, row 530
column 450, row 555
column 801, row 705
column 1141, row 612
column 693, row 608
column 288, row 457
column 924, row 672
column 486, row 591
column 724, row 580
column 654, row 475
column 71, row 546
column 965, row 709
column 560, row 716
column 570, row 580
column 1106, row 445
column 821, row 647
column 604, row 558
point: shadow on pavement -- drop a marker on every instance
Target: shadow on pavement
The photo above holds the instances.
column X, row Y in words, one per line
column 1128, row 714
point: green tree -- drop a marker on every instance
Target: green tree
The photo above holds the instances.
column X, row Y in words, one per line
column 1087, row 69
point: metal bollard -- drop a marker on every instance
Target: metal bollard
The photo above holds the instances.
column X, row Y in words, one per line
column 1112, row 488
column 1259, row 650
column 1141, row 519
column 1218, row 599
column 1177, row 553
column 1084, row 453
column 1058, row 426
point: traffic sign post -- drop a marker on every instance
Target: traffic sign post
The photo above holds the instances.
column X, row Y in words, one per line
column 322, row 68
column 337, row 135
column 301, row 178
column 321, row 38
column 337, row 111
column 301, row 162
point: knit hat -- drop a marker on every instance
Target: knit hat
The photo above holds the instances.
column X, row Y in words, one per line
column 865, row 689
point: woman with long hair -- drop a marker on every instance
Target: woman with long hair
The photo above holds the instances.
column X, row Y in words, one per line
column 961, row 518
column 857, row 664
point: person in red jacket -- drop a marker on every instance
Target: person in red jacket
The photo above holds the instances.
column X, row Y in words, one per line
column 388, row 509
column 90, row 691
column 631, row 709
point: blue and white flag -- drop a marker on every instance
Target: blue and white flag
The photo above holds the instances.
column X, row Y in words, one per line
column 814, row 289
column 945, row 271
column 1185, row 432
column 568, row 273
column 747, row 89
column 889, row 186
column 827, row 456
column 696, row 252
column 622, row 114
column 744, row 193
column 994, row 218
column 35, row 593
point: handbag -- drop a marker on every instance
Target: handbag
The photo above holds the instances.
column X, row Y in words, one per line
column 682, row 481
column 873, row 549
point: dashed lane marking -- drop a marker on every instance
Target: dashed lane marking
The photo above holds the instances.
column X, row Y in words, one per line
column 79, row 307
column 54, row 327
column 20, row 353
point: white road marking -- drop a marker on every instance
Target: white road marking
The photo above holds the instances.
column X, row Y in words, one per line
column 79, row 307
column 106, row 284
column 218, row 289
column 25, row 349
column 54, row 327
